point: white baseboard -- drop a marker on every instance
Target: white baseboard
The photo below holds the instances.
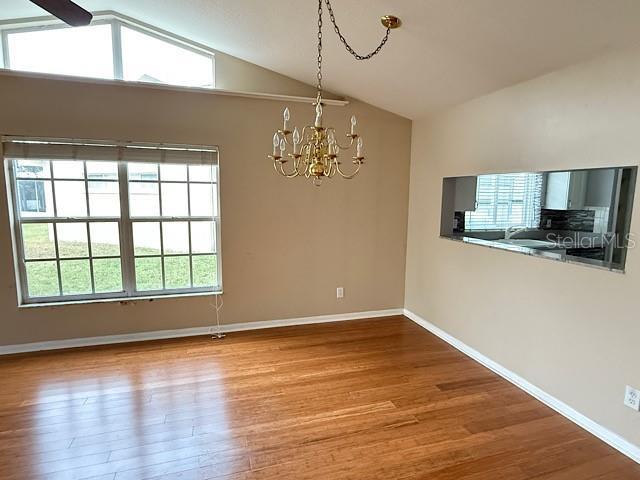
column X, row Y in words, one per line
column 190, row 332
column 616, row 441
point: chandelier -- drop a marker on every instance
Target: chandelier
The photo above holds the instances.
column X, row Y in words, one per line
column 314, row 152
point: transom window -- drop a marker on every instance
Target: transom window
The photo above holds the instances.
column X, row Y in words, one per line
column 109, row 48
column 506, row 200
column 96, row 221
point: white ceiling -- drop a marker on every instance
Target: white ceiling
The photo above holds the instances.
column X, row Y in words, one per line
column 447, row 51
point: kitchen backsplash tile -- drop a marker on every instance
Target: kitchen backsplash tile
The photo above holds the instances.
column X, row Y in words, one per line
column 458, row 222
column 576, row 220
column 601, row 220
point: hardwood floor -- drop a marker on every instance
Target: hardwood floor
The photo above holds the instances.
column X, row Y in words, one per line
column 371, row 399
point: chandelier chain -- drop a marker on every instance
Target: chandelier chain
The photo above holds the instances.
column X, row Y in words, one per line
column 319, row 49
column 356, row 55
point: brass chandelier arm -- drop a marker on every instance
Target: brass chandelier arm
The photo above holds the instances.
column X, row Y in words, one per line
column 279, row 167
column 298, row 160
column 352, row 174
column 332, row 169
column 282, row 172
column 351, row 137
column 303, row 139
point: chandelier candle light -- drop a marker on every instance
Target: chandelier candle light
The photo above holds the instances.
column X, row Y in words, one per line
column 315, row 150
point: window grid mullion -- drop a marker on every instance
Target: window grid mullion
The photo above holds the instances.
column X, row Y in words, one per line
column 57, row 250
column 512, row 192
column 189, row 227
column 127, row 259
column 190, row 255
column 24, row 293
column 173, row 219
column 137, row 180
column 6, row 59
column 86, row 195
column 93, row 283
column 160, row 188
column 164, row 280
column 53, row 191
column 51, row 259
column 55, row 227
column 37, row 220
column 116, row 45
column 496, row 204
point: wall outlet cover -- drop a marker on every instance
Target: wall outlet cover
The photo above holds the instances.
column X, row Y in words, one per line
column 632, row 398
column 339, row 292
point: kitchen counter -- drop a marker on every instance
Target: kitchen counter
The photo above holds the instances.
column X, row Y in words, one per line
column 557, row 253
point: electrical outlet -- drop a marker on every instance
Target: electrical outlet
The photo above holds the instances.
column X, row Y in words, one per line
column 339, row 292
column 632, row 398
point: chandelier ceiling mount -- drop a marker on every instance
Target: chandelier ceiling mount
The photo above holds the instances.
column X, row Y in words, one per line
column 390, row 21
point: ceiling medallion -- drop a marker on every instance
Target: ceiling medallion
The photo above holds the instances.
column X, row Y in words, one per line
column 314, row 151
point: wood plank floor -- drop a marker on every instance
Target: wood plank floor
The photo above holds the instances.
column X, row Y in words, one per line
column 371, row 399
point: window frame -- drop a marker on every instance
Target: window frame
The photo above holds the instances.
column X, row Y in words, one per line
column 126, row 243
column 116, row 21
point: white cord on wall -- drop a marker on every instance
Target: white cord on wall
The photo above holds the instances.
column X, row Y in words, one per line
column 218, row 306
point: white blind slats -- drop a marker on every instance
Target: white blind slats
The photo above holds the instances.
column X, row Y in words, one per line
column 506, row 200
column 102, row 152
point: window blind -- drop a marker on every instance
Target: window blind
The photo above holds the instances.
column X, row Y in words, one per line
column 506, row 200
column 65, row 149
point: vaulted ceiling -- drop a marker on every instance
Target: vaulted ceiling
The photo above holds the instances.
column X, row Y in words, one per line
column 447, row 51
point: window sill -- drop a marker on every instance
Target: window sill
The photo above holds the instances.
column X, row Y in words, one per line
column 122, row 300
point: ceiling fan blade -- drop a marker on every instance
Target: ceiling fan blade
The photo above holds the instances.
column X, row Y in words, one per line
column 67, row 11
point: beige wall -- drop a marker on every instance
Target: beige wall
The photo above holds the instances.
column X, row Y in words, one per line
column 286, row 244
column 235, row 74
column 571, row 330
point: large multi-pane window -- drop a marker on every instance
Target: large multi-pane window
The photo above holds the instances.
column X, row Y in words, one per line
column 109, row 48
column 100, row 221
